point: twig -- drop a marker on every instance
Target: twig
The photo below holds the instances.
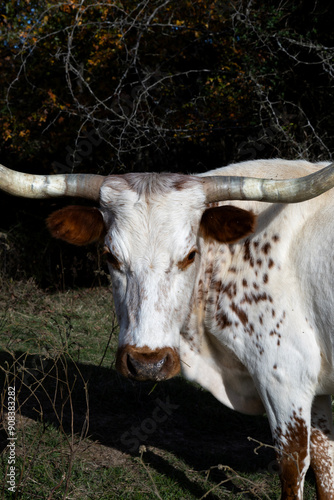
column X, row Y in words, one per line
column 142, row 449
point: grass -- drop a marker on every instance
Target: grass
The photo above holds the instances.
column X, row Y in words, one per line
column 85, row 432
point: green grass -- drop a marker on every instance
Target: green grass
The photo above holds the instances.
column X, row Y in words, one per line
column 84, row 432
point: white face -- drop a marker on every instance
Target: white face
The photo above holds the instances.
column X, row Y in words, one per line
column 153, row 255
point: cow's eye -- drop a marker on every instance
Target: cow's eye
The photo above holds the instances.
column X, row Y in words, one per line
column 189, row 259
column 111, row 259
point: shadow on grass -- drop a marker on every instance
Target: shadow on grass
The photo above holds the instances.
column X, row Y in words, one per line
column 174, row 416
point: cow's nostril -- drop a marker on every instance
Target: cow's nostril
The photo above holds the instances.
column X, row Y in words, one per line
column 130, row 362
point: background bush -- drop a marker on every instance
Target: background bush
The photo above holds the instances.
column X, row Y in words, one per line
column 112, row 87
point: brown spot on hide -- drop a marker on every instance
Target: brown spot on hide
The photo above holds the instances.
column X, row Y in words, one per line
column 260, row 348
column 209, row 269
column 200, row 291
column 223, row 320
column 266, row 248
column 247, row 253
column 254, row 297
column 240, row 313
column 230, row 290
column 293, row 450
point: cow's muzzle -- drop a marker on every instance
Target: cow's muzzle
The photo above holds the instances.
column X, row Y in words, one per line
column 143, row 363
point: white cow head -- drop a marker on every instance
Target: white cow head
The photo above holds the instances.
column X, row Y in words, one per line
column 153, row 227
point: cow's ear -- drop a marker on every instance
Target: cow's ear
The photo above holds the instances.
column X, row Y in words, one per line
column 77, row 225
column 227, row 224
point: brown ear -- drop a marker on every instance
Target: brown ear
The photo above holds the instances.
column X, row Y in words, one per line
column 77, row 225
column 227, row 224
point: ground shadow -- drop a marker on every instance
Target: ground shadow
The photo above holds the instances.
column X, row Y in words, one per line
column 174, row 416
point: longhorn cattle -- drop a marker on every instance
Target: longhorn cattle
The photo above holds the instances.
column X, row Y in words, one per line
column 228, row 279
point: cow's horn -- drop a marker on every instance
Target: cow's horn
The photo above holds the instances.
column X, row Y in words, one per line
column 49, row 186
column 220, row 188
